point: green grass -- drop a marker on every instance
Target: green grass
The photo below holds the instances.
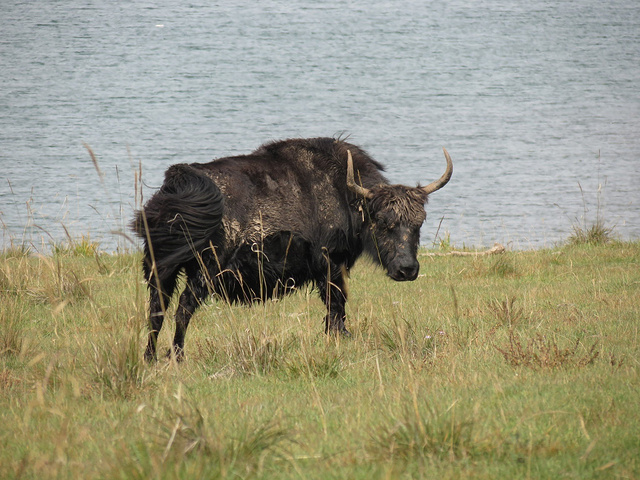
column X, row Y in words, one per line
column 522, row 365
column 595, row 234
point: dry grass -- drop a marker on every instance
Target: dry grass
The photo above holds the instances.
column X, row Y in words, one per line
column 543, row 352
column 483, row 367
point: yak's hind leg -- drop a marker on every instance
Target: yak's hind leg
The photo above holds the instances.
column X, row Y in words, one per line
column 180, row 222
column 160, row 293
column 193, row 295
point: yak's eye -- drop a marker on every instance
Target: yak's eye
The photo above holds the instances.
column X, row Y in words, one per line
column 386, row 223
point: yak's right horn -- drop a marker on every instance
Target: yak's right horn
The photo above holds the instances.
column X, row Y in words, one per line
column 444, row 179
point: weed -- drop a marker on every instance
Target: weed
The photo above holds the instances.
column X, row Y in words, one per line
column 118, row 365
column 410, row 343
column 597, row 233
column 544, row 353
column 56, row 283
column 7, row 380
column 187, row 431
column 615, row 361
column 12, row 336
column 82, row 247
column 209, row 352
column 16, row 251
column 503, row 266
column 66, row 286
column 506, row 312
column 444, row 244
column 103, row 269
column 424, row 434
column 15, row 275
column 325, row 363
column 251, row 354
column 6, row 284
column 265, row 354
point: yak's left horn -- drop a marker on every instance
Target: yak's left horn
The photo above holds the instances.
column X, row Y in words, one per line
column 353, row 186
column 444, row 179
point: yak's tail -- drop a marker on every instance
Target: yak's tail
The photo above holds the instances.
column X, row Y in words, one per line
column 180, row 221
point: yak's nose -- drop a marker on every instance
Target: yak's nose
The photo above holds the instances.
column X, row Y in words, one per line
column 406, row 272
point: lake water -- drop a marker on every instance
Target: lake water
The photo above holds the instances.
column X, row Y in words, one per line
column 534, row 100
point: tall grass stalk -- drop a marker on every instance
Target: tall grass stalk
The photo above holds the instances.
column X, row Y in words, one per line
column 595, row 232
column 118, row 365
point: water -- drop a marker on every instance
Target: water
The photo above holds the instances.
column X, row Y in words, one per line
column 532, row 99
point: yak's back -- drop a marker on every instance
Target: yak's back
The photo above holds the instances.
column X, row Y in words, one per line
column 325, row 154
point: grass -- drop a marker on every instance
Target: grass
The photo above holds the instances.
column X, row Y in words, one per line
column 523, row 365
column 595, row 232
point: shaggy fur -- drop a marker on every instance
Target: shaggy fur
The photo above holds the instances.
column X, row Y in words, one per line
column 253, row 227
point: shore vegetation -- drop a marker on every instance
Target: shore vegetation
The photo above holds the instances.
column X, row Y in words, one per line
column 523, row 364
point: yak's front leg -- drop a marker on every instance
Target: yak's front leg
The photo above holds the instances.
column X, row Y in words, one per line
column 191, row 298
column 334, row 293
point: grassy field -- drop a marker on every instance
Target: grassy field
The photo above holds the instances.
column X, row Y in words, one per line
column 520, row 365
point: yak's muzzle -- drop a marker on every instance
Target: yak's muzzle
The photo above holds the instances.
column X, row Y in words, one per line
column 405, row 271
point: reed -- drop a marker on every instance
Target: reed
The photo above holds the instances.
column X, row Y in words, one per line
column 595, row 231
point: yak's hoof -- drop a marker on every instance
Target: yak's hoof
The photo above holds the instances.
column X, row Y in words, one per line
column 342, row 331
column 150, row 356
column 176, row 352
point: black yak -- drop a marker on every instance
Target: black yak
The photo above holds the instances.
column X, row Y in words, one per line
column 252, row 227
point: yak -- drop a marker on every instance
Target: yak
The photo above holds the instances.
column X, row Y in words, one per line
column 252, row 227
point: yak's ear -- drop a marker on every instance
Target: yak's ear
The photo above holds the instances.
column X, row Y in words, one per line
column 353, row 186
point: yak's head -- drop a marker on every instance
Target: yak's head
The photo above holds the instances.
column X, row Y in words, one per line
column 396, row 213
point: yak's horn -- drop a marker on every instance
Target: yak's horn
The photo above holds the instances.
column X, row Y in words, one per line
column 442, row 181
column 353, row 186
